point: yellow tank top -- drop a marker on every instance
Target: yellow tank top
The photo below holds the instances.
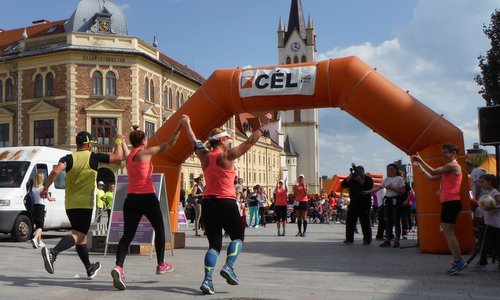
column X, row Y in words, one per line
column 80, row 182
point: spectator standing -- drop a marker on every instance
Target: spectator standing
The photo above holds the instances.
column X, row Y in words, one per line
column 109, row 199
column 359, row 185
column 280, row 206
column 491, row 220
column 300, row 190
column 39, row 209
column 99, row 201
column 253, row 205
column 262, row 206
column 197, row 194
column 380, row 214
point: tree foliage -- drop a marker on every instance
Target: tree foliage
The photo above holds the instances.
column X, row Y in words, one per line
column 489, row 79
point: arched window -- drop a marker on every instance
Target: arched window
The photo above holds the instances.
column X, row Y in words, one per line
column 97, row 83
column 9, row 90
column 295, row 59
column 178, row 98
column 49, row 85
column 38, row 86
column 304, row 59
column 110, row 84
column 288, row 60
column 170, row 98
column 1, row 91
column 165, row 97
column 146, row 89
column 151, row 91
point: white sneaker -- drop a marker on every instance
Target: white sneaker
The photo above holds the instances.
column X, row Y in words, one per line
column 34, row 243
column 41, row 244
column 256, row 226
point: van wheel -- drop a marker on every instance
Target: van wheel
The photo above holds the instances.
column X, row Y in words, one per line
column 23, row 229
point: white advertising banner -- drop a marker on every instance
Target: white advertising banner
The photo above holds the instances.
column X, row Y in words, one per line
column 278, row 81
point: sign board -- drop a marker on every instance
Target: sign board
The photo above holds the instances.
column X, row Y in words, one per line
column 182, row 219
column 145, row 231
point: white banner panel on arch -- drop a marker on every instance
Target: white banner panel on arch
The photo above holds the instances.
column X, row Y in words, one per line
column 277, row 81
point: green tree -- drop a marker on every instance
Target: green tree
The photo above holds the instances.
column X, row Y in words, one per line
column 489, row 79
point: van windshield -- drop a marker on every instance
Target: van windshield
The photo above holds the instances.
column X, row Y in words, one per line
column 12, row 173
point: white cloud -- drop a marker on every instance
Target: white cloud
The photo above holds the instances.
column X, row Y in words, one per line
column 434, row 56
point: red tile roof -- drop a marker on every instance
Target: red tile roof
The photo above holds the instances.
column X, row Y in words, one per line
column 10, row 37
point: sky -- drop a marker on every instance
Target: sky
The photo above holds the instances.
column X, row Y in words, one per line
column 428, row 47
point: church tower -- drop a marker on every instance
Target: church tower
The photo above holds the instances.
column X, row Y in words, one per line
column 299, row 128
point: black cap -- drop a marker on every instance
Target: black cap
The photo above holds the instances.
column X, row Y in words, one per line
column 83, row 137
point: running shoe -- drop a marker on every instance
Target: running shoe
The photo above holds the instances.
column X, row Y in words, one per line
column 118, row 278
column 164, row 268
column 48, row 258
column 34, row 243
column 93, row 269
column 456, row 267
column 41, row 244
column 228, row 273
column 207, row 287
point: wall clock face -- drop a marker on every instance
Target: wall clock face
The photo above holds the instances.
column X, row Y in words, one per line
column 295, row 46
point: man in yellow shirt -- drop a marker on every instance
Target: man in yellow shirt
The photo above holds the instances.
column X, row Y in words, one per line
column 81, row 174
column 108, row 196
column 99, row 197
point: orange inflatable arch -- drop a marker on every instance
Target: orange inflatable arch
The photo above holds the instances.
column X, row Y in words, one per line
column 347, row 83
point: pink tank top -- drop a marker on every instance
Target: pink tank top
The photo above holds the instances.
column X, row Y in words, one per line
column 219, row 181
column 281, row 197
column 450, row 186
column 139, row 174
column 300, row 194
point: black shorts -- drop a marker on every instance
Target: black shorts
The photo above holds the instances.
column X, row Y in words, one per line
column 280, row 212
column 450, row 211
column 302, row 206
column 80, row 219
column 39, row 215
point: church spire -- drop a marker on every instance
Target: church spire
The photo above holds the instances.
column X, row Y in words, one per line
column 296, row 20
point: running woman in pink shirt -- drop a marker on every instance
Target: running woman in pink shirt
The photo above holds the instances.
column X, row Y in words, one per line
column 219, row 207
column 142, row 200
column 449, row 194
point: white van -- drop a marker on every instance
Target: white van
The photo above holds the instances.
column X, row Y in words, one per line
column 18, row 166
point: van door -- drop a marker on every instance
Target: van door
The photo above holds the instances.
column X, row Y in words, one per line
column 56, row 211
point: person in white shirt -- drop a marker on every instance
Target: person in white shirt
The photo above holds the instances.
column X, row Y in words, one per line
column 39, row 209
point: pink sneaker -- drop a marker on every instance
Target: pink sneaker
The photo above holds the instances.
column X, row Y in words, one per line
column 118, row 278
column 164, row 268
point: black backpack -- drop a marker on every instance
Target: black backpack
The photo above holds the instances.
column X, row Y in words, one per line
column 28, row 201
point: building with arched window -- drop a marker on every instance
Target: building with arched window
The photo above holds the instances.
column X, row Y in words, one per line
column 87, row 73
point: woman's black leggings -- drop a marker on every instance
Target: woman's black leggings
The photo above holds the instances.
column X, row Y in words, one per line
column 218, row 214
column 134, row 207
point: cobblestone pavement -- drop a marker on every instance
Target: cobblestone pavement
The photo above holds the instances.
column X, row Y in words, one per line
column 318, row 266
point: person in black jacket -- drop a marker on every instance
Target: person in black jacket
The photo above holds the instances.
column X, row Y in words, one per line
column 359, row 205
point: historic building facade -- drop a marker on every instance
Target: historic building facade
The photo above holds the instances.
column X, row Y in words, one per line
column 87, row 73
